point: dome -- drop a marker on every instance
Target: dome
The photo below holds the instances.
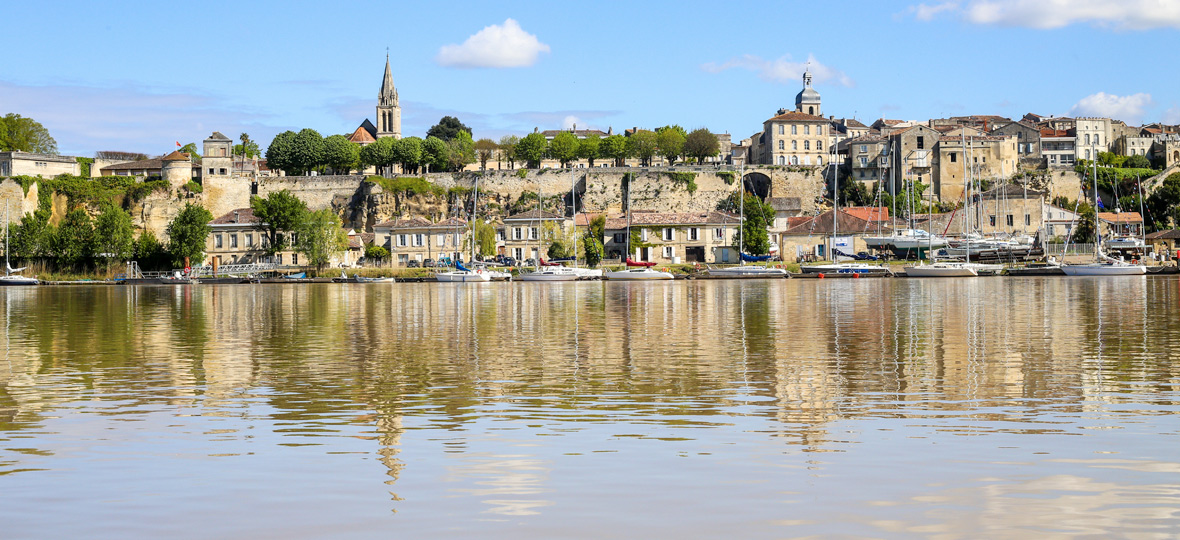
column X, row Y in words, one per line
column 808, row 95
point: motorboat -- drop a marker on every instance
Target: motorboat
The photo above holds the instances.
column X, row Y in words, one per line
column 549, row 273
column 462, row 274
column 942, row 269
column 637, row 274
column 1105, row 267
column 751, row 271
column 845, row 268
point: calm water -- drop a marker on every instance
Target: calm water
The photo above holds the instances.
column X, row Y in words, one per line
column 874, row 408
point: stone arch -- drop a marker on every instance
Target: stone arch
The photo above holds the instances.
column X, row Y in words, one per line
column 756, row 183
column 1176, row 155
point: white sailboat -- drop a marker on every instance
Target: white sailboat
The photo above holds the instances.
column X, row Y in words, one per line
column 462, row 274
column 837, row 267
column 634, row 271
column 1102, row 265
column 741, row 270
column 10, row 276
column 964, row 268
column 552, row 272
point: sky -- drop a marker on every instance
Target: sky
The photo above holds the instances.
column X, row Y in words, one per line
column 141, row 76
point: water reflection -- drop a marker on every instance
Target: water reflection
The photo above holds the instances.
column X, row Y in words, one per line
column 494, row 393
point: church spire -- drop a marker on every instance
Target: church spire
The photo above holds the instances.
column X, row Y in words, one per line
column 389, row 113
column 388, row 95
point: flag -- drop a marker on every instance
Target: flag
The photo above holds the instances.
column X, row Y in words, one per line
column 1100, row 207
column 178, row 144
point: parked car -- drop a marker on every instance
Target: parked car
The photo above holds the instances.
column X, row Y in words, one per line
column 428, row 263
column 413, row 264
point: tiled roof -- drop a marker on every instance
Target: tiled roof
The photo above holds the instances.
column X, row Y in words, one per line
column 420, row 223
column 452, row 222
column 176, row 155
column 1170, row 234
column 656, row 219
column 534, row 214
column 359, row 240
column 243, row 216
column 793, row 116
column 135, row 165
column 959, row 138
column 1047, row 132
column 822, row 224
column 362, row 135
column 218, row 136
column 870, row 138
column 854, row 123
column 868, row 213
column 1121, row 217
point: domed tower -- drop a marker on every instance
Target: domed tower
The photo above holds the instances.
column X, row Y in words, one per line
column 807, row 101
column 389, row 113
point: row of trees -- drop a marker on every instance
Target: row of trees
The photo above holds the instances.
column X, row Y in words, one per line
column 447, row 147
column 669, row 142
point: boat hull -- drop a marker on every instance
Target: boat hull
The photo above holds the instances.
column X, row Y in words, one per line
column 17, row 281
column 644, row 274
column 1104, row 270
column 463, row 277
column 940, row 271
column 548, row 276
column 748, row 272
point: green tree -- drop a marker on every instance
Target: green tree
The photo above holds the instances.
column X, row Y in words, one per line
column 320, row 237
column 701, row 144
column 643, row 145
column 280, row 155
column 1083, row 230
column 308, row 150
column 460, row 151
column 32, row 238
column 376, row 253
column 20, row 134
column 597, row 227
column 1137, row 162
column 187, row 233
column 435, row 154
column 759, row 216
column 194, row 154
column 531, row 149
column 564, row 147
column 248, row 149
column 593, row 249
column 380, row 154
column 74, row 242
column 588, row 148
column 485, row 237
column 1163, row 203
column 447, row 128
column 407, row 152
column 615, row 148
column 853, row 193
column 670, row 142
column 485, row 149
column 340, row 154
column 279, row 212
column 150, row 253
column 508, row 149
column 114, row 235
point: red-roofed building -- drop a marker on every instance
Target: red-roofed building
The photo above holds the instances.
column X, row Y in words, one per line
column 1121, row 223
column 798, row 137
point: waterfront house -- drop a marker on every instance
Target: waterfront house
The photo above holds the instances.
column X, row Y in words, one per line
column 524, row 232
column 672, row 237
column 1165, row 243
column 1059, row 222
column 1120, row 223
column 238, row 237
column 808, row 237
column 418, row 239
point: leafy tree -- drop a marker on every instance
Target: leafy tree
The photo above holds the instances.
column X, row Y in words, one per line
column 320, row 237
column 759, row 217
column 615, row 148
column 340, row 154
column 557, row 250
column 447, row 128
column 564, row 147
column 74, row 242
column 20, row 134
column 407, row 152
column 308, row 150
column 597, row 227
column 150, row 253
column 670, row 142
column 853, row 193
column 1083, row 230
column 247, row 149
column 194, row 154
column 1137, row 162
column 593, row 249
column 588, row 148
column 32, row 238
column 460, row 151
column 701, row 144
column 485, row 238
column 484, row 149
column 380, row 154
column 377, row 253
column 435, row 154
column 643, row 145
column 280, row 155
column 187, row 234
column 114, row 235
column 508, row 149
column 531, row 149
column 279, row 211
column 1163, row 203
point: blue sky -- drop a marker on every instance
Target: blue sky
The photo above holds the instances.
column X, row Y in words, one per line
column 138, row 76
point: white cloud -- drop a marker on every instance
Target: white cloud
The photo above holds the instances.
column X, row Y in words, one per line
column 1128, row 108
column 569, row 122
column 497, row 46
column 1048, row 14
column 782, row 70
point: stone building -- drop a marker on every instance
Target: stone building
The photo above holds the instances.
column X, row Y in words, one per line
column 1058, row 147
column 668, row 237
column 796, row 137
column 389, row 112
column 868, row 159
column 154, row 168
column 978, row 158
column 43, row 165
column 532, row 230
column 811, row 237
column 217, row 156
column 912, row 151
column 237, row 238
column 1092, row 136
column 1165, row 149
column 1009, row 208
column 417, row 239
column 1028, row 141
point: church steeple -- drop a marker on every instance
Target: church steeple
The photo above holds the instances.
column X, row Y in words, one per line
column 389, row 113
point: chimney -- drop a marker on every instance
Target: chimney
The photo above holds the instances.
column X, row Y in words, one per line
column 236, row 216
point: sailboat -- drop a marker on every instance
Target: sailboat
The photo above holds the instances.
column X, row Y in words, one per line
column 635, row 271
column 837, row 267
column 1102, row 265
column 546, row 271
column 461, row 273
column 10, row 276
column 741, row 270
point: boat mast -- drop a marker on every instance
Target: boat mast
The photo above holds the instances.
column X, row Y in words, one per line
column 474, row 215
column 835, row 212
column 574, row 205
column 742, row 210
column 1097, row 223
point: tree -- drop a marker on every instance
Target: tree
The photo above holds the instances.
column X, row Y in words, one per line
column 279, row 211
column 853, row 193
column 248, row 149
column 447, row 128
column 194, row 154
column 150, row 253
column 1137, row 162
column 701, row 144
column 32, row 238
column 755, row 238
column 485, row 238
column 114, row 235
column 380, row 154
column 407, row 152
column 614, row 147
column 564, row 147
column 1162, row 203
column 1083, row 231
column 460, row 151
column 187, row 233
column 670, row 142
column 74, row 242
column 307, row 150
column 340, row 154
column 20, row 134
column 435, row 154
column 531, row 149
column 280, row 154
column 320, row 237
column 508, row 149
column 597, row 227
column 593, row 249
column 588, row 148
column 642, row 144
column 377, row 253
column 484, row 149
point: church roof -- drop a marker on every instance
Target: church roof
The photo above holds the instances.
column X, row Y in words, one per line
column 388, row 95
column 364, row 134
column 808, row 94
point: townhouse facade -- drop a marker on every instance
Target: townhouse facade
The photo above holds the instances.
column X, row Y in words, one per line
column 670, row 237
column 418, row 239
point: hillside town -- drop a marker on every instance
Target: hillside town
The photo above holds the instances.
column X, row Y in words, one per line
column 412, row 197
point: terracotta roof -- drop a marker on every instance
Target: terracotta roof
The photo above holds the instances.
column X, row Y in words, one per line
column 868, row 213
column 822, row 224
column 793, row 116
column 362, row 135
column 420, row 223
column 870, row 138
column 135, row 165
column 655, row 219
column 1121, row 217
column 890, row 122
column 359, row 240
column 1047, row 132
column 1169, row 234
column 176, row 155
column 452, row 222
column 534, row 214
column 957, row 138
column 244, row 216
column 854, row 123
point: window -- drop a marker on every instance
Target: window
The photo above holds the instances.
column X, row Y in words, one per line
column 719, row 233
column 921, row 143
column 781, row 129
column 217, row 241
column 864, row 148
column 295, row 258
column 781, row 145
column 794, row 145
column 992, row 220
column 782, row 160
column 279, row 259
column 519, row 254
column 862, row 173
column 419, row 240
column 233, row 241
column 1087, row 138
column 249, row 240
column 668, row 234
column 819, row 130
column 1027, row 220
column 620, row 238
column 401, row 240
column 794, row 130
column 954, row 157
column 210, row 171
column 668, row 250
column 794, row 160
column 517, row 234
column 693, row 234
column 532, row 233
column 642, row 235
column 807, row 160
column 807, row 130
column 442, row 240
column 1010, row 222
column 222, row 171
column 807, row 145
column 819, row 145
column 819, row 160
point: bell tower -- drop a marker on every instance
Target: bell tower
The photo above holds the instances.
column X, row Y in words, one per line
column 389, row 113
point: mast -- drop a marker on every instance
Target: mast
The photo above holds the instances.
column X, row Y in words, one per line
column 742, row 211
column 1097, row 226
column 474, row 215
column 574, row 205
column 835, row 212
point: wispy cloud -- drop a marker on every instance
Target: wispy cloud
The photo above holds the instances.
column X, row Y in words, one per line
column 496, row 46
column 782, row 70
column 1128, row 108
column 1049, row 14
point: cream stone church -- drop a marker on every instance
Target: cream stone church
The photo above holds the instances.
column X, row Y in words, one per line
column 389, row 114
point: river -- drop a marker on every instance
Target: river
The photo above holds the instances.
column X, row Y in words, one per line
column 872, row 408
